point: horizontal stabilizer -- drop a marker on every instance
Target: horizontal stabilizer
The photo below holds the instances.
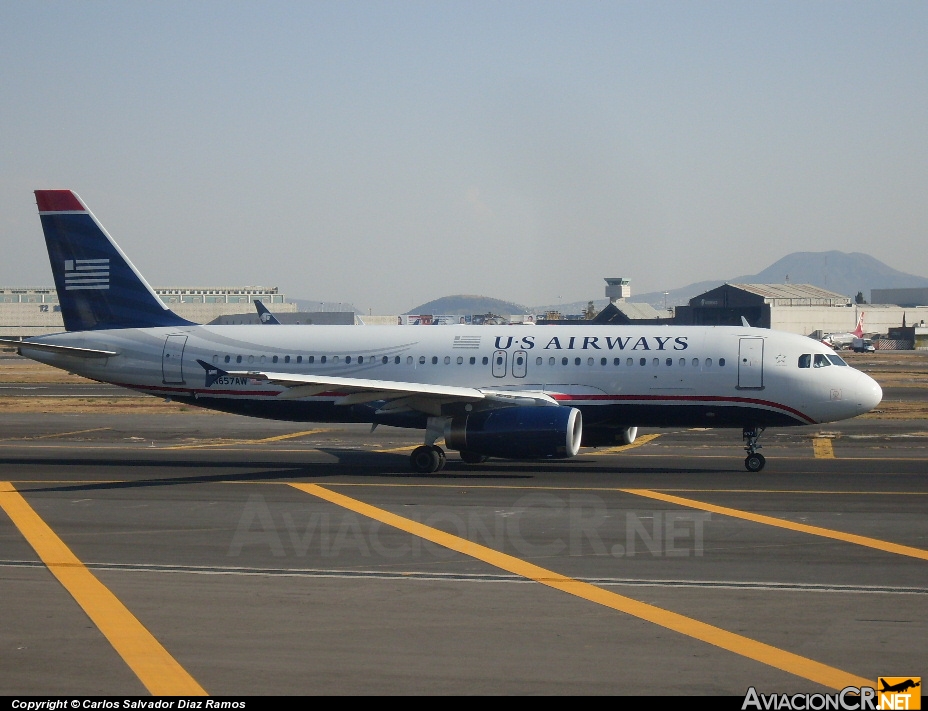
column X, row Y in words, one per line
column 63, row 350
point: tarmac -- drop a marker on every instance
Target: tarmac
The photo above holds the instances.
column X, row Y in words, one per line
column 184, row 553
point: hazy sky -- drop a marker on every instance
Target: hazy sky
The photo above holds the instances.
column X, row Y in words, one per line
column 388, row 153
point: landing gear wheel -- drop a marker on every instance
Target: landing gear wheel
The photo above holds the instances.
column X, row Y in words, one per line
column 426, row 459
column 473, row 457
column 754, row 462
column 441, row 456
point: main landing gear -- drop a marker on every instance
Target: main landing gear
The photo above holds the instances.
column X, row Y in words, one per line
column 754, row 462
column 427, row 459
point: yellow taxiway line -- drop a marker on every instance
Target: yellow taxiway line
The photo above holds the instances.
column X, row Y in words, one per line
column 822, row 448
column 233, row 443
column 752, row 649
column 781, row 523
column 146, row 657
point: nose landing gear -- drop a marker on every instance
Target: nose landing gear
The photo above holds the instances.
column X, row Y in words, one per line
column 754, row 462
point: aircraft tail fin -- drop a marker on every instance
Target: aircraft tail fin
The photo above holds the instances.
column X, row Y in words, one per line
column 98, row 286
column 264, row 315
column 859, row 331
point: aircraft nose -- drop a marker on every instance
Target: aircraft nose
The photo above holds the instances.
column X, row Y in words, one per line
column 869, row 393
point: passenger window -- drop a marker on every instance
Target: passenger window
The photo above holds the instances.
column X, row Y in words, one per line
column 499, row 360
column 322, row 359
column 286, row 359
column 384, row 360
column 334, row 359
column 473, row 360
column 434, row 360
column 447, row 360
column 655, row 362
column 215, row 359
column 539, row 360
column 421, row 360
column 617, row 361
column 408, row 360
column 238, row 359
column 299, row 359
column 695, row 362
column 683, row 362
column 485, row 360
column 643, row 362
column 805, row 360
column 603, row 361
column 630, row 362
column 708, row 362
column 551, row 360
column 360, row 359
column 251, row 359
column 460, row 360
column 563, row 361
column 669, row 361
column 347, row 360
column 589, row 361
column 820, row 361
column 310, row 359
column 519, row 360
column 577, row 361
column 228, row 358
column 274, row 359
column 721, row 362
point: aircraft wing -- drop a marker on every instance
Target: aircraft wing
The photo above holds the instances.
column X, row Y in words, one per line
column 398, row 395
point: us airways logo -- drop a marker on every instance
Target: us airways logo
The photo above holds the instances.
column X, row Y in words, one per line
column 81, row 274
column 594, row 343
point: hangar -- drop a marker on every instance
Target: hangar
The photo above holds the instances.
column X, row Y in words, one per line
column 796, row 308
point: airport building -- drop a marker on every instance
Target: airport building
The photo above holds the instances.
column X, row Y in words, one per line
column 901, row 297
column 33, row 311
column 796, row 308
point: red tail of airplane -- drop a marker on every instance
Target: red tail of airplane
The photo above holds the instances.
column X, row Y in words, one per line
column 859, row 331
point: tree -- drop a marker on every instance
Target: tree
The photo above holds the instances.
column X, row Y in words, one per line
column 859, row 299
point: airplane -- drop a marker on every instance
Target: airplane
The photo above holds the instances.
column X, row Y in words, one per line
column 486, row 391
column 265, row 316
column 901, row 687
column 844, row 340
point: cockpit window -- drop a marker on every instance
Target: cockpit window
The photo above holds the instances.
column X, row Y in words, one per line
column 837, row 360
column 805, row 360
column 820, row 361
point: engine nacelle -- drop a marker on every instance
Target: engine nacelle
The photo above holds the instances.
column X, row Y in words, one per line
column 518, row 432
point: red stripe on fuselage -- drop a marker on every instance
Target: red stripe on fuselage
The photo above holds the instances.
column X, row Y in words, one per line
column 686, row 399
column 560, row 397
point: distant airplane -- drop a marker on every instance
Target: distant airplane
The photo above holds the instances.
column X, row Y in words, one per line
column 488, row 391
column 264, row 315
column 844, row 340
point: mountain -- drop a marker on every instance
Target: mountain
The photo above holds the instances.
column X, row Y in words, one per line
column 469, row 304
column 836, row 271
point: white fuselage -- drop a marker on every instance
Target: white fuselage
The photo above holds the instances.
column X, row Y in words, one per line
column 639, row 375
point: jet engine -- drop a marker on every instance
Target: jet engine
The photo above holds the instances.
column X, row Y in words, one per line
column 517, row 432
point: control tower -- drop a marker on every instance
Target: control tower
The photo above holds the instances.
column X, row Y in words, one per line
column 617, row 289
